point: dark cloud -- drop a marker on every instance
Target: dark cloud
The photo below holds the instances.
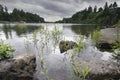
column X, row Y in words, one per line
column 53, row 10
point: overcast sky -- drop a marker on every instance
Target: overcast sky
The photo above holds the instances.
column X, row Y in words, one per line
column 53, row 10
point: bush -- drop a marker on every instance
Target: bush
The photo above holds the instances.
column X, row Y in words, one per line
column 5, row 50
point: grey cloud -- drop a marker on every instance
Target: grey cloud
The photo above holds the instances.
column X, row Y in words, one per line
column 53, row 9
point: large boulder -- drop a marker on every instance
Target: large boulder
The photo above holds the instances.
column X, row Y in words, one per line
column 108, row 38
column 100, row 69
column 19, row 68
column 66, row 45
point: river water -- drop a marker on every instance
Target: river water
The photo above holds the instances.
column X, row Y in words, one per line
column 33, row 39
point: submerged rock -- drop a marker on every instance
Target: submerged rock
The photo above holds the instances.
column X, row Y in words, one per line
column 19, row 68
column 66, row 45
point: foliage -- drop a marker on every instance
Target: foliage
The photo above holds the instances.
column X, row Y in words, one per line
column 18, row 15
column 95, row 36
column 76, row 69
column 109, row 15
column 80, row 74
column 5, row 50
column 55, row 36
column 116, row 47
column 118, row 24
column 85, row 72
column 80, row 44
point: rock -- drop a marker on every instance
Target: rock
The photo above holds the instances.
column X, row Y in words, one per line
column 66, row 45
column 100, row 69
column 20, row 68
column 108, row 38
column 104, row 46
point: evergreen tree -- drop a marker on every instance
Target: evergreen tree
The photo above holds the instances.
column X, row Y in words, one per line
column 95, row 9
column 6, row 9
column 89, row 9
column 1, row 12
column 115, row 5
column 110, row 6
column 106, row 6
column 106, row 16
column 100, row 9
column 1, row 9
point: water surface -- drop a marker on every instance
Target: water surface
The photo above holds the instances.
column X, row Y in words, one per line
column 22, row 37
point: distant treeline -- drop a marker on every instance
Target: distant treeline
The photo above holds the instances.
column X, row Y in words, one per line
column 18, row 15
column 108, row 15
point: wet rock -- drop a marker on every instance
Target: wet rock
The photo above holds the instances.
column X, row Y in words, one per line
column 66, row 45
column 20, row 68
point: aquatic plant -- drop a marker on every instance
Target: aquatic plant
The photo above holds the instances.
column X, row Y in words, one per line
column 55, row 36
column 118, row 24
column 41, row 43
column 76, row 69
column 80, row 44
column 26, row 44
column 77, row 49
column 85, row 72
column 75, row 65
column 6, row 50
column 116, row 47
column 95, row 36
column 73, row 53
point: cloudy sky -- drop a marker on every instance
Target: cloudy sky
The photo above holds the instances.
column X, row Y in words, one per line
column 53, row 10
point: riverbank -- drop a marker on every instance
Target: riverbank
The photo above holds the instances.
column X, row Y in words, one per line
column 24, row 68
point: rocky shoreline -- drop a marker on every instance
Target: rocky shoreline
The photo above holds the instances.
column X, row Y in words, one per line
column 24, row 68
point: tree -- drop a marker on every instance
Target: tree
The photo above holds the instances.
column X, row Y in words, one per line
column 18, row 15
column 1, row 12
column 106, row 6
column 110, row 6
column 6, row 10
column 100, row 9
column 115, row 5
column 89, row 9
column 95, row 9
column 1, row 9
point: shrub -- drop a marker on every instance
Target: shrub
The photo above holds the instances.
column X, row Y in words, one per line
column 5, row 50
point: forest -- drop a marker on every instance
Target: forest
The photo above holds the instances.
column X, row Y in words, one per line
column 18, row 16
column 107, row 15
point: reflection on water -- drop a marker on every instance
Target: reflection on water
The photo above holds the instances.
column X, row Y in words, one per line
column 56, row 64
column 18, row 29
column 16, row 33
column 23, row 29
column 83, row 29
